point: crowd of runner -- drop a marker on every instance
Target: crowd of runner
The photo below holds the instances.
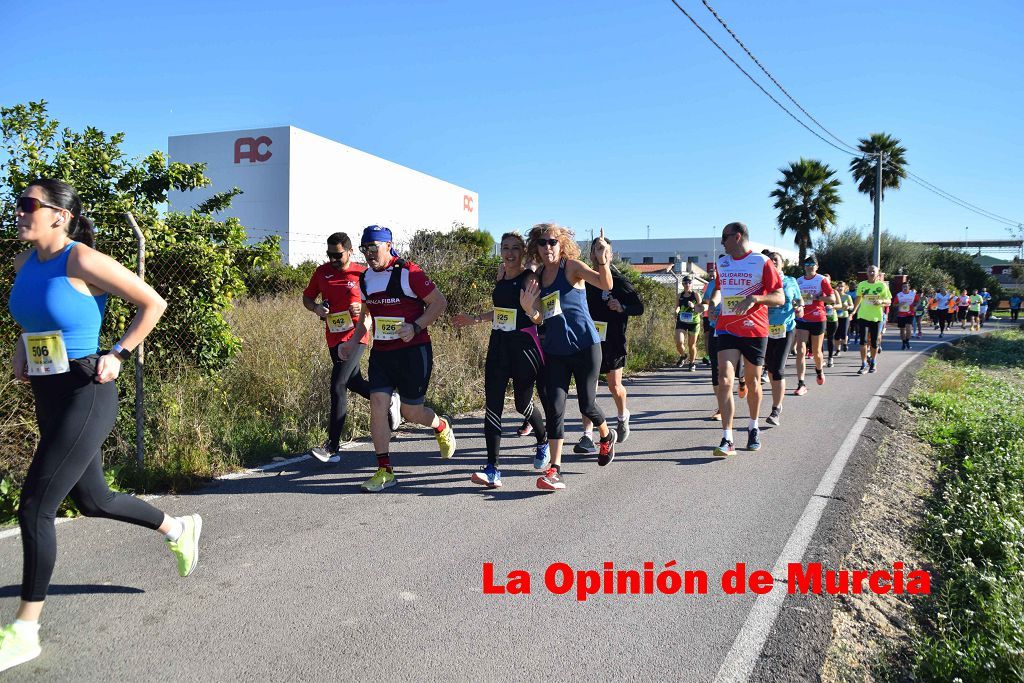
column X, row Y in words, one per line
column 554, row 317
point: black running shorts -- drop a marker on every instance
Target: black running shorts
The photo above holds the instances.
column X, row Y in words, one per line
column 751, row 348
column 405, row 369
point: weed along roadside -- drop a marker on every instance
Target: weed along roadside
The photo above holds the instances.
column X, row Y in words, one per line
column 948, row 494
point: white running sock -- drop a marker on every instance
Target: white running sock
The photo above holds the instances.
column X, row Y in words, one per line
column 727, row 434
column 624, row 416
column 176, row 530
column 753, row 423
column 26, row 628
column 589, row 433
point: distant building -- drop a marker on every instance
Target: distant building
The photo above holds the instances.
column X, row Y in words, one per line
column 304, row 187
column 683, row 254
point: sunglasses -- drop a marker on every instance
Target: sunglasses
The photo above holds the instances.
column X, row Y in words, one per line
column 547, row 243
column 335, row 255
column 727, row 235
column 31, row 205
column 370, row 247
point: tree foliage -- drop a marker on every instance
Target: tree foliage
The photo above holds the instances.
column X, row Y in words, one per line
column 864, row 168
column 192, row 259
column 806, row 200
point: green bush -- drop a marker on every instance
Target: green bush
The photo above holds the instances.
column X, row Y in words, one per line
column 970, row 413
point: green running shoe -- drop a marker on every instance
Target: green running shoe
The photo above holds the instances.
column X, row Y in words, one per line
column 446, row 439
column 381, row 479
column 186, row 548
column 17, row 648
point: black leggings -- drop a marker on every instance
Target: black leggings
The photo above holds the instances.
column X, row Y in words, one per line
column 510, row 356
column 842, row 328
column 584, row 365
column 943, row 321
column 713, row 352
column 830, row 336
column 776, row 355
column 75, row 416
column 345, row 375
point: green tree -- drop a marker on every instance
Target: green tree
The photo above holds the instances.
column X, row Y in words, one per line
column 806, row 200
column 192, row 259
column 433, row 248
column 864, row 167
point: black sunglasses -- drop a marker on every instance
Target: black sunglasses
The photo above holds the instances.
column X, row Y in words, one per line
column 335, row 255
column 548, row 243
column 370, row 247
column 31, row 205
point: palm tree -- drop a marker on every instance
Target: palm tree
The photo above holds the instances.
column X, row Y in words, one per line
column 806, row 200
column 863, row 168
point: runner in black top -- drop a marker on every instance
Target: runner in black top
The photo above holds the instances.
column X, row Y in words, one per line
column 513, row 353
column 687, row 319
column 610, row 311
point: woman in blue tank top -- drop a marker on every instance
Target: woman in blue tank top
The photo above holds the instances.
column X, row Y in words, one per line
column 572, row 347
column 58, row 299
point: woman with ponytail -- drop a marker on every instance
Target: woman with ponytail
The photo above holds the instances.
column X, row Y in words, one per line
column 58, row 299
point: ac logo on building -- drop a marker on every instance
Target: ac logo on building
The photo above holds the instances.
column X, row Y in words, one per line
column 467, row 203
column 249, row 148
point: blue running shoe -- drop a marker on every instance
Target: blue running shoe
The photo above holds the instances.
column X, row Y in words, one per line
column 543, row 458
column 489, row 476
column 754, row 440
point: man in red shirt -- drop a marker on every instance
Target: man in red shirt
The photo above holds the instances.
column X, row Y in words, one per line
column 747, row 285
column 816, row 291
column 400, row 302
column 336, row 285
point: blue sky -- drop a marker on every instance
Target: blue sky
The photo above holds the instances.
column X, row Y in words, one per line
column 615, row 114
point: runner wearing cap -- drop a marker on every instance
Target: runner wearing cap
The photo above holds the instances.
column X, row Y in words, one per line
column 687, row 316
column 872, row 295
column 748, row 283
column 816, row 292
column 400, row 302
column 906, row 300
column 336, row 285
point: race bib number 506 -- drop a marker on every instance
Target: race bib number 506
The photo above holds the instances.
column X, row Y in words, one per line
column 46, row 353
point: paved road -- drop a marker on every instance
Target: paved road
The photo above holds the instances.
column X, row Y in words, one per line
column 304, row 578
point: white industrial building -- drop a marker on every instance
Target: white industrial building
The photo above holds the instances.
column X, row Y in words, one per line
column 683, row 251
column 304, row 187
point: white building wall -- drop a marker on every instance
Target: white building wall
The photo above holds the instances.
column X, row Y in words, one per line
column 304, row 187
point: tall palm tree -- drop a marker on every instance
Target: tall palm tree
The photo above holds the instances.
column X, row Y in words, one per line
column 806, row 199
column 863, row 168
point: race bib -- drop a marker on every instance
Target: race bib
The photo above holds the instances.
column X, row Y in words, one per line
column 686, row 316
column 46, row 353
column 340, row 321
column 386, row 329
column 602, row 329
column 872, row 299
column 777, row 331
column 552, row 305
column 732, row 304
column 904, row 308
column 504, row 319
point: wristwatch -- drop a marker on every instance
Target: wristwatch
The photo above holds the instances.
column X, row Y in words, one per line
column 416, row 329
column 121, row 352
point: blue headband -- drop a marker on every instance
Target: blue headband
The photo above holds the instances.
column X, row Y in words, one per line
column 376, row 233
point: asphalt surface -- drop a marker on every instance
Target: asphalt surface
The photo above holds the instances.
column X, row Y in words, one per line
column 302, row 577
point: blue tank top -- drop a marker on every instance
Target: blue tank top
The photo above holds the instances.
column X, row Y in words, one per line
column 42, row 299
column 574, row 329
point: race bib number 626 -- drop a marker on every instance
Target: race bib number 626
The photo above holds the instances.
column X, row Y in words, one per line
column 386, row 329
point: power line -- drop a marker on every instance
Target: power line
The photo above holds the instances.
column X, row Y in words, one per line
column 759, row 86
column 777, row 84
column 858, row 153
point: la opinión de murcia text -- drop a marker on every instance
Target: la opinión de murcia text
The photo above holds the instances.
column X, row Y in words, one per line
column 801, row 579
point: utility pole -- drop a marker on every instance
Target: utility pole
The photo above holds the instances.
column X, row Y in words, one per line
column 966, row 228
column 876, row 246
column 648, row 232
